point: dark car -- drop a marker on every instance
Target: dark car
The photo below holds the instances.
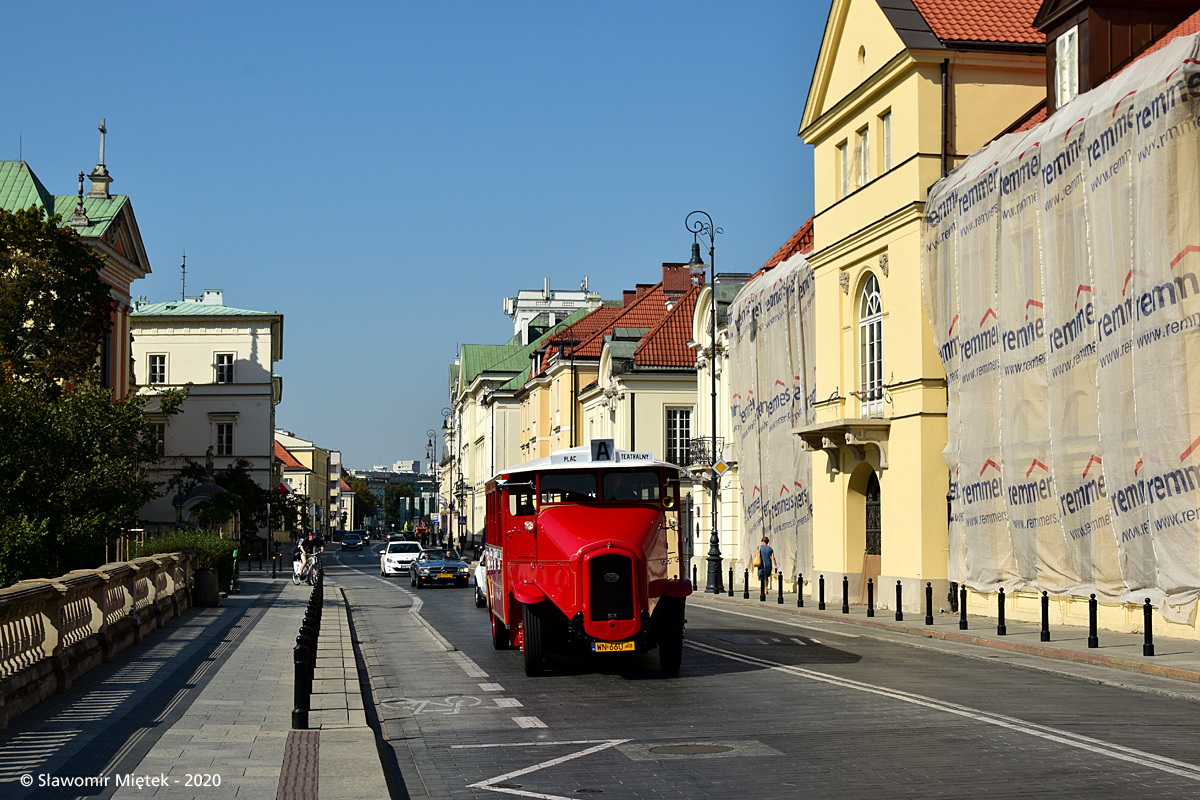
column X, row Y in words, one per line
column 439, row 565
column 352, row 541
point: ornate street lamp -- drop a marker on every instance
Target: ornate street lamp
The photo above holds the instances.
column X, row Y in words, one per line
column 701, row 224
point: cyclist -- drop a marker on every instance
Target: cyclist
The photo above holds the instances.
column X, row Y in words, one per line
column 305, row 558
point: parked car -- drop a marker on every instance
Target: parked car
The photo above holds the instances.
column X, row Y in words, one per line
column 336, row 536
column 352, row 541
column 440, row 565
column 481, row 585
column 398, row 556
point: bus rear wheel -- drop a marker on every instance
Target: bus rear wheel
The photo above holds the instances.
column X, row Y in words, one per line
column 533, row 641
column 499, row 634
column 670, row 636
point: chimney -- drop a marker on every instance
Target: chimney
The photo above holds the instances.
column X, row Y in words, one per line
column 628, row 296
column 677, row 278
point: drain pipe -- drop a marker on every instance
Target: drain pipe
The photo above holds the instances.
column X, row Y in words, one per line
column 945, row 117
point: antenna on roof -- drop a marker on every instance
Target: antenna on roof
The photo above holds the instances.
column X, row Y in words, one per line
column 183, row 269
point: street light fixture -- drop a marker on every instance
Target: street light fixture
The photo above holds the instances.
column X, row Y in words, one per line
column 701, row 224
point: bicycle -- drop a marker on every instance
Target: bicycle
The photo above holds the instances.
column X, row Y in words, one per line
column 306, row 570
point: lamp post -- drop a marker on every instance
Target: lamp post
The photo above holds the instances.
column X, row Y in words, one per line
column 701, row 224
column 448, row 432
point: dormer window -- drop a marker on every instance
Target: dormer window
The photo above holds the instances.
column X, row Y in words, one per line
column 1066, row 61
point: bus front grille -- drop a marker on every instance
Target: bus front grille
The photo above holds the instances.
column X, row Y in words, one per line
column 612, row 588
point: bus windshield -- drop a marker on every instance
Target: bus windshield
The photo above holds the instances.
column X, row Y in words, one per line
column 567, row 487
column 629, row 484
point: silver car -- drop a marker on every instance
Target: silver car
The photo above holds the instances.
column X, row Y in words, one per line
column 397, row 558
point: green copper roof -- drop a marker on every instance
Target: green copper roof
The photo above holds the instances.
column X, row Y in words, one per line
column 507, row 358
column 183, row 308
column 20, row 188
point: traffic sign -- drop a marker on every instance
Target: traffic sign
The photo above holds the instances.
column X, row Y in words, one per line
column 720, row 468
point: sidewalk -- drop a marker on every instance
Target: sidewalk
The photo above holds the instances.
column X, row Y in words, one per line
column 1174, row 670
column 207, row 698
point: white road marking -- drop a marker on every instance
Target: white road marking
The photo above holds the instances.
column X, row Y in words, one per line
column 490, row 783
column 778, row 621
column 529, row 722
column 491, row 687
column 1108, row 749
column 528, row 744
column 508, row 702
column 799, row 641
column 472, row 669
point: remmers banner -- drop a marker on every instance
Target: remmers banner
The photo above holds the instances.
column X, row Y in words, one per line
column 1060, row 274
column 771, row 343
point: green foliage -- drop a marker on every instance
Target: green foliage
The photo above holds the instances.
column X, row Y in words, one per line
column 72, row 474
column 215, row 552
column 289, row 510
column 365, row 503
column 54, row 306
column 242, row 495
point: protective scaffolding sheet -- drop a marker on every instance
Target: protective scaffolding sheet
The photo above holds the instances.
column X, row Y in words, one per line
column 1061, row 274
column 771, row 365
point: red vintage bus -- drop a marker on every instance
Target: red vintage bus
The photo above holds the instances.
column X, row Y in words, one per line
column 582, row 550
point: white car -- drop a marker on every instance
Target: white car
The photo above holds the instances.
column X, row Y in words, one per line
column 397, row 557
column 481, row 585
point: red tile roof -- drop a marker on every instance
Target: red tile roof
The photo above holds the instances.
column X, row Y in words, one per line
column 345, row 487
column 666, row 344
column 644, row 312
column 982, row 20
column 289, row 461
column 801, row 242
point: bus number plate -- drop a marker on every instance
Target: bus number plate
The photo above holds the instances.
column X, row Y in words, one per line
column 611, row 647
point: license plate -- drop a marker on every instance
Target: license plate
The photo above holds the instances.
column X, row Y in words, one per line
column 611, row 647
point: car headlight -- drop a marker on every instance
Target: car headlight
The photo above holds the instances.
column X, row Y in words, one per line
column 464, row 570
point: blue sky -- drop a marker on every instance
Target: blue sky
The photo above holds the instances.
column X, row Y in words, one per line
column 384, row 174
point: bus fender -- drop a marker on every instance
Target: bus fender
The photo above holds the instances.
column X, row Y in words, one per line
column 678, row 589
column 528, row 594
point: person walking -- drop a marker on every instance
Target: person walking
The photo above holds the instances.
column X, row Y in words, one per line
column 766, row 565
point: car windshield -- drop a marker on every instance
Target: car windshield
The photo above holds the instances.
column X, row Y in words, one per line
column 351, row 537
column 404, row 547
column 439, row 555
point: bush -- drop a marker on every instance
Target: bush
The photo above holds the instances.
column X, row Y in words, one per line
column 215, row 552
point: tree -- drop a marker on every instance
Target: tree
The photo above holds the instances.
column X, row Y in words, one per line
column 54, row 306
column 394, row 497
column 243, row 496
column 365, row 504
column 73, row 461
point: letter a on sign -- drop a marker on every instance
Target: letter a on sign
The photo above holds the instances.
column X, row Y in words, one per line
column 603, row 449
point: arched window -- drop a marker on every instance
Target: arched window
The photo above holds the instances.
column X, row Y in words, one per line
column 870, row 340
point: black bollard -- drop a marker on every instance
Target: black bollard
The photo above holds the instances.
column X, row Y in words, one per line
column 1148, row 614
column 1093, row 639
column 1001, row 628
column 928, row 603
column 779, row 576
column 1045, row 617
column 870, row 597
column 731, row 582
column 821, row 603
column 746, row 586
column 899, row 603
column 845, row 594
column 274, row 565
column 300, row 696
column 693, row 577
column 962, row 608
column 799, row 590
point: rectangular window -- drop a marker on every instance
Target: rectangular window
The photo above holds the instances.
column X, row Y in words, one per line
column 224, row 367
column 157, row 369
column 679, row 435
column 885, row 140
column 225, row 439
column 158, row 434
column 844, row 161
column 1066, row 67
column 864, row 156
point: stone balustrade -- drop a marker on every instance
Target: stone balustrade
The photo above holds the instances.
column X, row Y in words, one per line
column 54, row 630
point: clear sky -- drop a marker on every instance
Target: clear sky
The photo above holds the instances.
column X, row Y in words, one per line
column 385, row 174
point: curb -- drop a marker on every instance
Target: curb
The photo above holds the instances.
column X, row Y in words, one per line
column 1113, row 662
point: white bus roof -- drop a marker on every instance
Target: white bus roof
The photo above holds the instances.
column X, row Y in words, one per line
column 599, row 453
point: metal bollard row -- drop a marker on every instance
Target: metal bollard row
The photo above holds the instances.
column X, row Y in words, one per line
column 304, row 655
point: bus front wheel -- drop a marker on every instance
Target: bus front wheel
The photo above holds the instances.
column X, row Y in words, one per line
column 670, row 636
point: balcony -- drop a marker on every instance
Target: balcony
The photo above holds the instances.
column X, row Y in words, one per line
column 699, row 452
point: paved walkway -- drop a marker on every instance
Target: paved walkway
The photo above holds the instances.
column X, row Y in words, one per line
column 204, row 706
column 1174, row 670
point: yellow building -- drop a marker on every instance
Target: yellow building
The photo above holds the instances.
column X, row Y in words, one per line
column 898, row 97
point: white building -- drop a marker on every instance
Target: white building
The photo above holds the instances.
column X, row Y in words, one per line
column 224, row 359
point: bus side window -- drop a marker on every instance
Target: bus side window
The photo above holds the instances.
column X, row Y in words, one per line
column 520, row 504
